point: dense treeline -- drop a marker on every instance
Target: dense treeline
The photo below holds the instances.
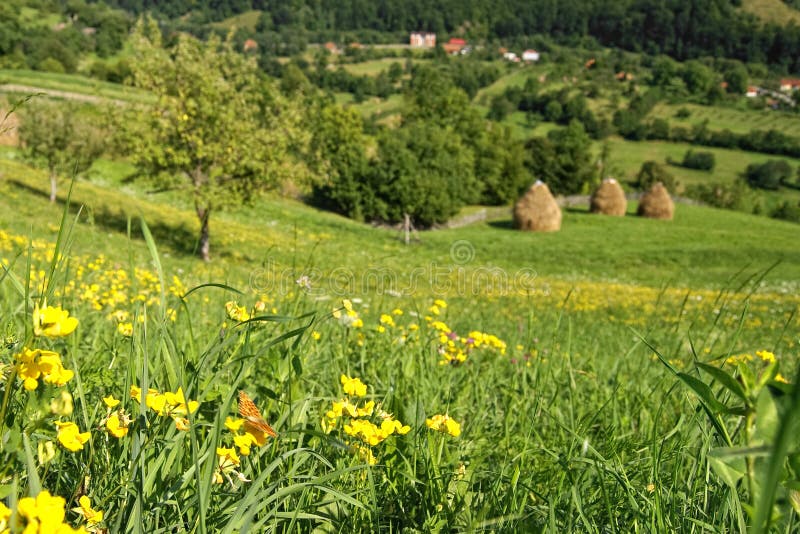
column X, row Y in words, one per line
column 90, row 28
column 680, row 28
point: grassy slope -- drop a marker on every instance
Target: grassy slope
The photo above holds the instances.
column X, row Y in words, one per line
column 71, row 83
column 246, row 21
column 735, row 120
column 702, row 247
column 772, row 11
column 628, row 156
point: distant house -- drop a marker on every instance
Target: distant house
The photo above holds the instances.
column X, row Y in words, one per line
column 331, row 47
column 454, row 45
column 790, row 84
column 590, row 63
column 530, row 55
column 249, row 45
column 623, row 76
column 422, row 40
column 88, row 30
column 752, row 91
column 511, row 56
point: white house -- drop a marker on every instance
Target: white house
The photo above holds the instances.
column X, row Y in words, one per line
column 530, row 55
column 510, row 56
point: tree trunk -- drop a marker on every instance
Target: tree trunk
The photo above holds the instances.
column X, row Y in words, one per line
column 204, row 249
column 52, row 186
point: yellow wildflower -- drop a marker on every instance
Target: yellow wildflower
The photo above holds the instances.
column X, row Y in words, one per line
column 45, row 364
column 110, row 401
column 5, row 518
column 70, row 436
column 44, row 513
column 233, row 424
column 227, row 462
column 116, row 427
column 766, row 356
column 62, row 405
column 181, row 423
column 125, row 329
column 91, row 515
column 353, row 386
column 236, row 312
column 245, row 442
column 52, row 321
column 444, row 423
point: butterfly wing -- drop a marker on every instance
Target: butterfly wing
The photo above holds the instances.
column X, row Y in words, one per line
column 252, row 416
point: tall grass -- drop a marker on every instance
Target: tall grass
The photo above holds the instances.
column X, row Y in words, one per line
column 569, row 422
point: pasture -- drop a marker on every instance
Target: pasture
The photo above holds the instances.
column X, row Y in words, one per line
column 477, row 379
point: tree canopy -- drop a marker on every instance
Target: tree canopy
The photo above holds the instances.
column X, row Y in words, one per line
column 55, row 137
column 217, row 130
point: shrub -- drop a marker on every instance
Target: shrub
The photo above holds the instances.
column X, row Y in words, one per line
column 500, row 108
column 732, row 196
column 652, row 172
column 787, row 212
column 703, row 161
column 768, row 175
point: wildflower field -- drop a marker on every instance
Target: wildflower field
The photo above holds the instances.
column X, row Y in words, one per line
column 143, row 392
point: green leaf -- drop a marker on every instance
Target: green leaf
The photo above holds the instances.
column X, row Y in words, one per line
column 747, row 376
column 784, row 437
column 730, row 468
column 704, row 392
column 297, row 365
column 724, row 378
column 34, row 484
column 211, row 284
column 766, row 418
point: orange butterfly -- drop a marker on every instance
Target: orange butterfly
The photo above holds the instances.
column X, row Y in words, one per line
column 252, row 416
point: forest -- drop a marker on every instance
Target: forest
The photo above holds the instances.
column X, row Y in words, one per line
column 680, row 28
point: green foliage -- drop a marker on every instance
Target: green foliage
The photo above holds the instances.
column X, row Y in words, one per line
column 563, row 160
column 218, row 130
column 422, row 170
column 50, row 64
column 652, row 172
column 752, row 412
column 500, row 167
column 732, row 196
column 339, row 158
column 787, row 211
column 697, row 159
column 768, row 175
column 57, row 137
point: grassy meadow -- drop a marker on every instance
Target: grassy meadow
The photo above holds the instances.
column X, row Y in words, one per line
column 477, row 379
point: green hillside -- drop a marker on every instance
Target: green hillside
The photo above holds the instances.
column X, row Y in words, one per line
column 700, row 248
column 774, row 11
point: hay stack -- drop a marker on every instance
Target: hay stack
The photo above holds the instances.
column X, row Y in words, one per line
column 656, row 203
column 609, row 199
column 537, row 210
